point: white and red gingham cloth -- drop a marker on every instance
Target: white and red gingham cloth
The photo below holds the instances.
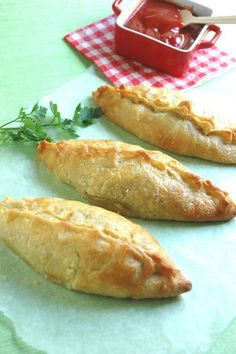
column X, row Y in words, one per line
column 96, row 42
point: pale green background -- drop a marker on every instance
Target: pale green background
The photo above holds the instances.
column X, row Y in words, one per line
column 34, row 60
column 60, row 321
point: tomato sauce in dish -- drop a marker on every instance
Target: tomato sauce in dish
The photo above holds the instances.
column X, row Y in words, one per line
column 162, row 20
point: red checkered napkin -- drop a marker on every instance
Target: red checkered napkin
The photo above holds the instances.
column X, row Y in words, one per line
column 96, row 42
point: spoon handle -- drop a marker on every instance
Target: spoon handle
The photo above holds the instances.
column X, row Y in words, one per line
column 215, row 19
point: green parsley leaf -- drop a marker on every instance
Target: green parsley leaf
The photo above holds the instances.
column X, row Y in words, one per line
column 84, row 116
column 38, row 125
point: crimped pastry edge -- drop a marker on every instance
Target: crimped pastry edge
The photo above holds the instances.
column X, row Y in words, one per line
column 205, row 125
column 183, row 285
column 95, row 148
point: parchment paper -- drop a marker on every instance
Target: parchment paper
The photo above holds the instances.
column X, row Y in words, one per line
column 56, row 320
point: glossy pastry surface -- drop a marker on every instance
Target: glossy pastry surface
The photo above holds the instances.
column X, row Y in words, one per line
column 135, row 182
column 89, row 249
column 168, row 119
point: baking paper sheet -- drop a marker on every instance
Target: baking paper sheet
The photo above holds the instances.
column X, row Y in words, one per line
column 56, row 320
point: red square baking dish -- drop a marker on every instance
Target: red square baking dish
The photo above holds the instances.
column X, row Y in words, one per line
column 153, row 52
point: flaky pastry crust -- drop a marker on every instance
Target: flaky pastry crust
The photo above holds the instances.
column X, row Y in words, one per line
column 89, row 249
column 135, row 182
column 168, row 119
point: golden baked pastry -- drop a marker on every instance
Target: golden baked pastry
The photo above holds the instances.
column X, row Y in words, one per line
column 88, row 248
column 168, row 119
column 135, row 182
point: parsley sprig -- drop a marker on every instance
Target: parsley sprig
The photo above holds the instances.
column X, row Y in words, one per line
column 37, row 124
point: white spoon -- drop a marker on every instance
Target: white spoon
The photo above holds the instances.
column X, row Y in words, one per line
column 188, row 18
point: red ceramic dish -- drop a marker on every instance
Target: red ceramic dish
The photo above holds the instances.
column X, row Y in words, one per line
column 153, row 52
